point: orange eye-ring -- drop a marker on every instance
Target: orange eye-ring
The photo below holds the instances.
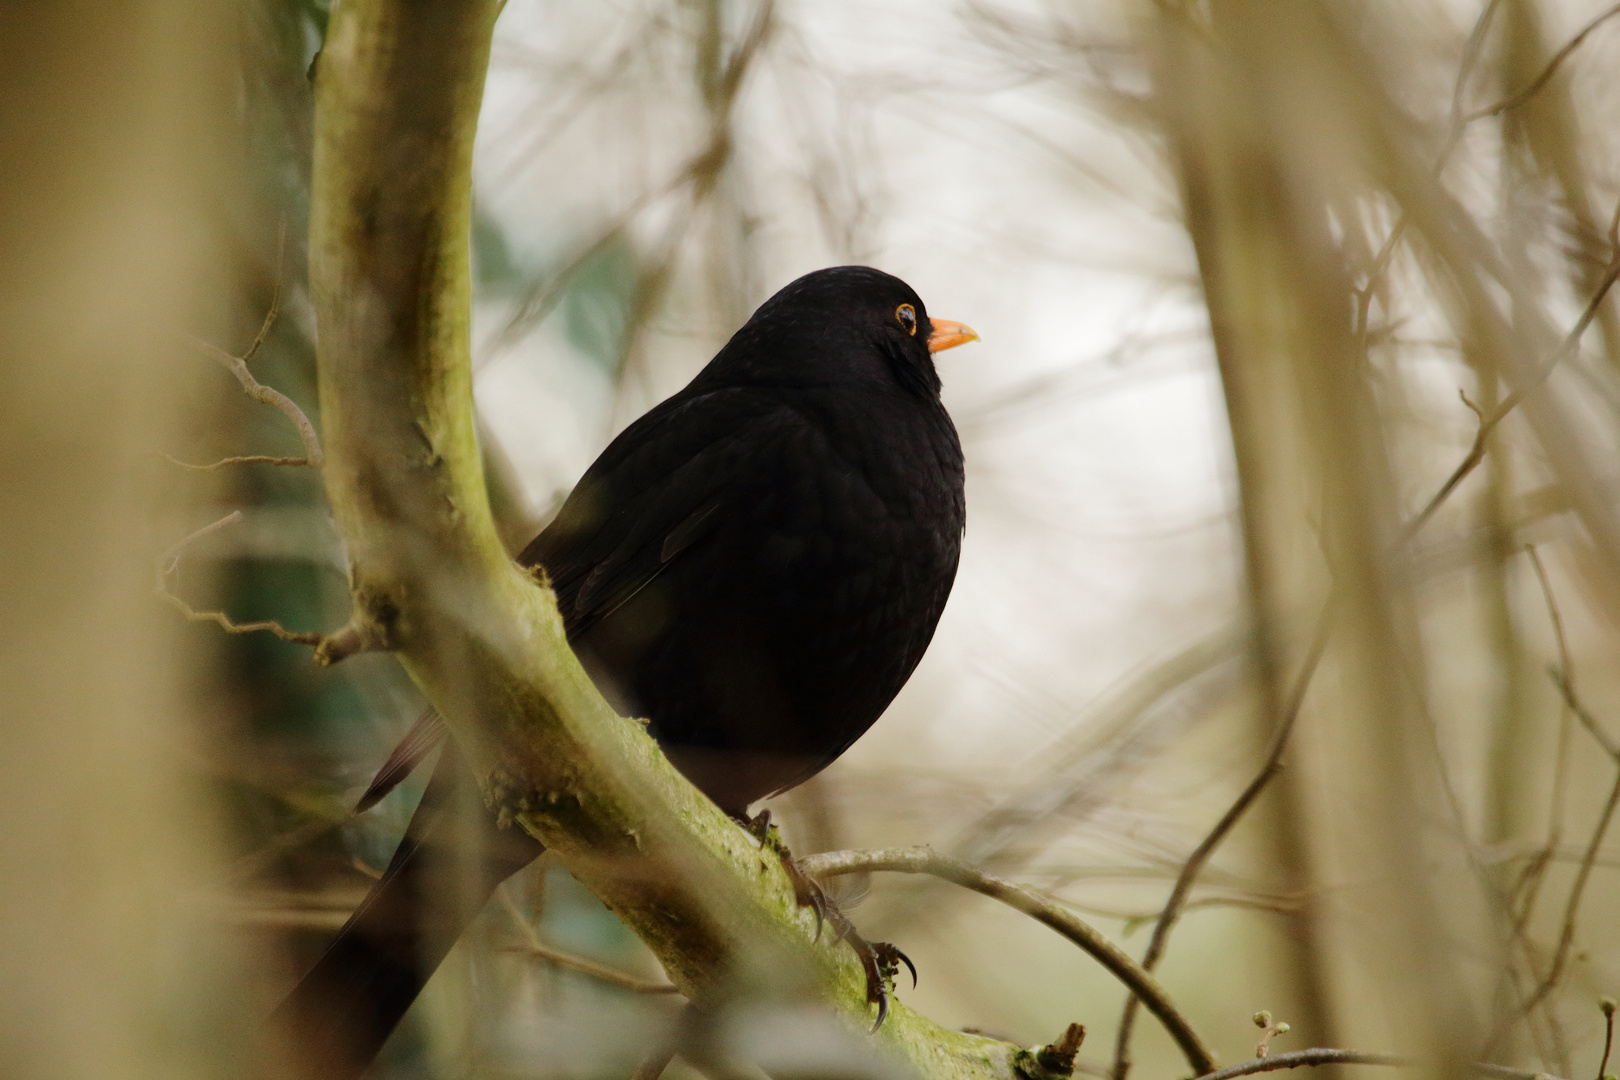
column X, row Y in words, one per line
column 908, row 318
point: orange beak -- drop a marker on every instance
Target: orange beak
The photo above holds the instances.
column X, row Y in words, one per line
column 948, row 335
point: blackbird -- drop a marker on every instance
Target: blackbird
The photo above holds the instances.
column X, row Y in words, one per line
column 755, row 567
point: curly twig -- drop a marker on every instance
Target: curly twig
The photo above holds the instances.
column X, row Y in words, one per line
column 924, row 860
column 240, row 459
column 168, row 564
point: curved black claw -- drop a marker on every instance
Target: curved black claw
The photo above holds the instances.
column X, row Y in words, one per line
column 880, row 961
column 892, row 958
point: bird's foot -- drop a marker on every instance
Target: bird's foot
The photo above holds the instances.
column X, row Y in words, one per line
column 880, row 960
column 806, row 890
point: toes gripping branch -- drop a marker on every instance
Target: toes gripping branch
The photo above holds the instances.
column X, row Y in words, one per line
column 880, row 960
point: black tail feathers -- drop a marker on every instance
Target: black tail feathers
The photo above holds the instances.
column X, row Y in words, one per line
column 337, row 1018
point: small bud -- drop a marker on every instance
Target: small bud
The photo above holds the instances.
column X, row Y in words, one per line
column 1262, row 1019
column 1606, row 1003
column 1282, row 1029
column 1057, row 1058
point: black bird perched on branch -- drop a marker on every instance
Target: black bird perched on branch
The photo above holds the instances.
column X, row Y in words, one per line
column 755, row 566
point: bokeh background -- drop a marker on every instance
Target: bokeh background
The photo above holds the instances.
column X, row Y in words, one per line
column 1247, row 279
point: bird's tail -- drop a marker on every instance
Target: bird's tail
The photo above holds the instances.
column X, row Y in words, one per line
column 337, row 1018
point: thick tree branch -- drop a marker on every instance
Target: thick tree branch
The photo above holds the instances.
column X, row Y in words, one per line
column 397, row 99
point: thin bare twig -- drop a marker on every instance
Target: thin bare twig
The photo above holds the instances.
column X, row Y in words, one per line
column 1476, row 454
column 1528, row 887
column 1281, row 905
column 1487, row 425
column 1566, row 938
column 1304, row 1059
column 924, row 860
column 242, row 459
column 1553, row 614
column 1566, row 687
column 1513, row 101
column 698, row 173
column 237, row 365
column 533, row 946
column 1325, row 1056
column 168, row 564
column 1454, row 129
column 1608, row 1006
column 251, row 864
column 1564, row 678
column 274, row 311
column 1458, row 122
column 1176, row 904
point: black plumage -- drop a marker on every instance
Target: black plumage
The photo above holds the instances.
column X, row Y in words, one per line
column 755, row 566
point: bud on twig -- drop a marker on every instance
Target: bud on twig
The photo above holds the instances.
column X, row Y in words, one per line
column 1055, row 1060
column 1262, row 1020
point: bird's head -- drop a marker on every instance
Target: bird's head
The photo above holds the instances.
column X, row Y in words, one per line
column 841, row 323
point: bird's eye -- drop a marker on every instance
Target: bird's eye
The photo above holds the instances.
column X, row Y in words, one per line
column 908, row 318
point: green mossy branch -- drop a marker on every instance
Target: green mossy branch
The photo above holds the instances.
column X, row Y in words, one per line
column 398, row 87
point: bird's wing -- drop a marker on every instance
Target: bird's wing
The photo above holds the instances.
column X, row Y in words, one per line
column 664, row 485
column 659, row 488
column 423, row 738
